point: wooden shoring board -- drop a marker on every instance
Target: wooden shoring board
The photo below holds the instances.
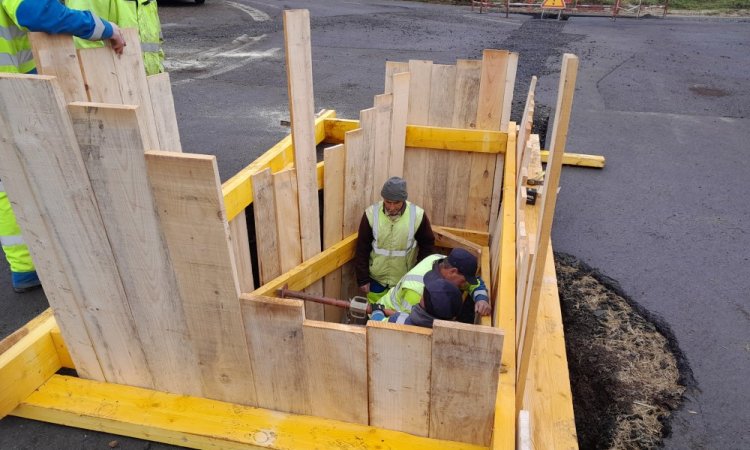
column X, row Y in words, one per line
column 30, row 346
column 165, row 116
column 333, row 221
column 486, row 171
column 354, row 199
column 367, row 120
column 241, row 252
column 566, row 90
column 416, row 160
column 391, row 69
column 301, row 109
column 446, row 239
column 492, row 89
column 55, row 54
column 578, row 159
column 480, row 238
column 464, row 378
column 504, row 316
column 287, row 219
column 399, row 380
column 468, row 73
column 466, row 92
column 440, row 113
column 336, row 364
column 527, row 120
column 547, row 395
column 530, row 215
column 202, row 423
column 44, row 173
column 112, row 149
column 486, row 273
column 273, row 327
column 266, row 234
column 401, row 83
column 382, row 152
column 110, row 74
column 188, row 197
column 510, row 82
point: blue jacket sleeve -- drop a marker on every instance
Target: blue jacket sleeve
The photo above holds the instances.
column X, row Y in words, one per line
column 478, row 291
column 50, row 16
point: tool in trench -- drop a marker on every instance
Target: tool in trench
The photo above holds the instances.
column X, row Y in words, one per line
column 357, row 306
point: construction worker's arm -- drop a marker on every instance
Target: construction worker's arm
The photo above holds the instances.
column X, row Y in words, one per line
column 425, row 239
column 481, row 298
column 50, row 16
column 362, row 255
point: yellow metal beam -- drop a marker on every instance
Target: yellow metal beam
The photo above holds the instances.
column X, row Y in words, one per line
column 28, row 359
column 481, row 141
column 579, row 159
column 201, row 423
column 238, row 190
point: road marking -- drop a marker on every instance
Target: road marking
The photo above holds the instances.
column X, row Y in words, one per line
column 256, row 14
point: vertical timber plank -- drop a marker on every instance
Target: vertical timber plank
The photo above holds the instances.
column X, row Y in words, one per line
column 165, row 117
column 341, row 351
column 510, row 83
column 492, row 89
column 100, row 75
column 191, row 210
column 44, row 167
column 399, row 381
column 465, row 370
column 468, row 73
column 301, row 108
column 401, row 82
column 391, row 69
column 354, row 199
column 110, row 140
column 419, row 92
column 273, row 328
column 367, row 119
column 241, row 252
column 333, row 220
column 382, row 155
column 266, row 234
column 55, row 54
column 287, row 219
column 440, row 114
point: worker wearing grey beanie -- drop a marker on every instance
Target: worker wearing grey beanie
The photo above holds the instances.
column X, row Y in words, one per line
column 394, row 234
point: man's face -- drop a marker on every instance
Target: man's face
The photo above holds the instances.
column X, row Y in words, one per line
column 454, row 277
column 392, row 208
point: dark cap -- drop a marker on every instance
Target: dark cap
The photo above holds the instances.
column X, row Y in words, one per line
column 394, row 189
column 442, row 299
column 465, row 262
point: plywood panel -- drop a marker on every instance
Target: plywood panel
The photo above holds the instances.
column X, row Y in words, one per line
column 165, row 117
column 465, row 370
column 287, row 219
column 392, row 68
column 468, row 73
column 398, row 364
column 333, row 220
column 55, row 54
column 266, row 234
column 492, row 89
column 336, row 358
column 273, row 327
column 382, row 154
column 191, row 209
column 44, row 168
column 401, row 83
column 110, row 140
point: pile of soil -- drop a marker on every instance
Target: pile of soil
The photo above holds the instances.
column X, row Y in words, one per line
column 627, row 373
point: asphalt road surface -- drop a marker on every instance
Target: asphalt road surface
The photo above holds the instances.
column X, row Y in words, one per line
column 665, row 101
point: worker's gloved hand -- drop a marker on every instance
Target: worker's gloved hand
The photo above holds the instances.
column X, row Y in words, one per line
column 483, row 308
column 377, row 315
column 117, row 41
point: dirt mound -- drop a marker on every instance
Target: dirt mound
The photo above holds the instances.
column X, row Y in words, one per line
column 626, row 372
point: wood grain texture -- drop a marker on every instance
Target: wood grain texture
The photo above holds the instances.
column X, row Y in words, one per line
column 399, row 365
column 65, row 232
column 109, row 137
column 266, row 234
column 241, row 252
column 287, row 219
column 55, row 55
column 191, row 209
column 510, row 83
column 468, row 73
column 401, row 83
column 492, row 89
column 333, row 220
column 419, row 92
column 273, row 327
column 392, row 68
column 382, row 153
column 336, row 363
column 354, row 199
column 465, row 370
column 367, row 121
column 165, row 117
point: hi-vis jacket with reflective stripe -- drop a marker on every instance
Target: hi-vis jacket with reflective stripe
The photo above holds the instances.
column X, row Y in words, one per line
column 394, row 247
column 140, row 14
column 17, row 17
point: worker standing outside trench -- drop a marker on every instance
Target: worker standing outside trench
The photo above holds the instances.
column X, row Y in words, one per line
column 17, row 18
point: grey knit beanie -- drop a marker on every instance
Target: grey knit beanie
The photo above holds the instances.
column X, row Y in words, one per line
column 394, row 189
